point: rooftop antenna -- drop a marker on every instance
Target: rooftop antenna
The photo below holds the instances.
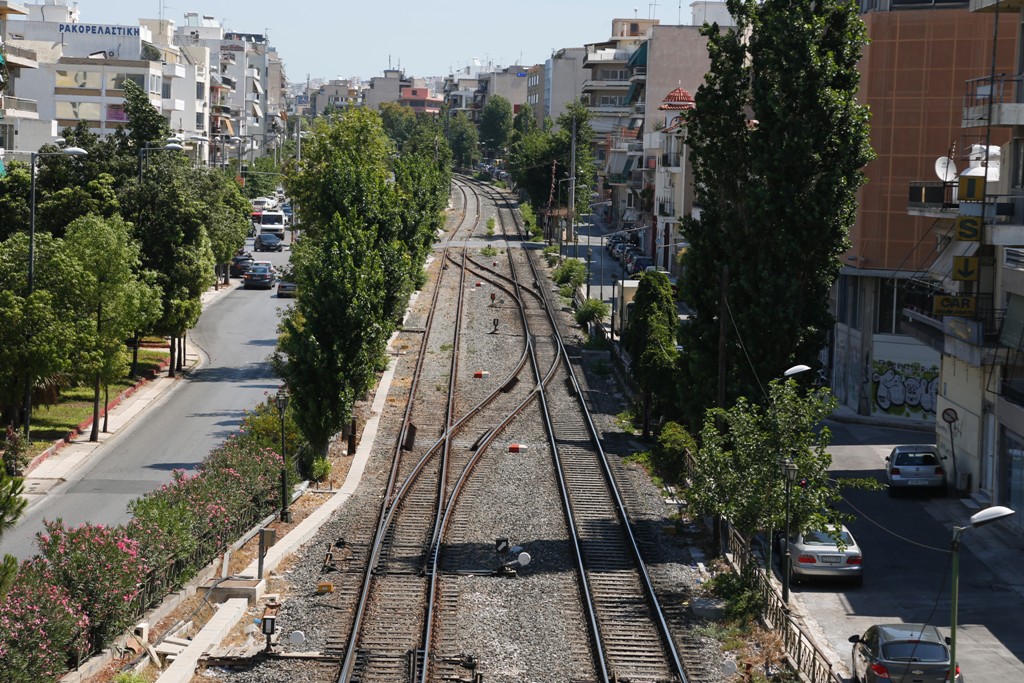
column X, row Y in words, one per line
column 652, row 9
column 679, row 18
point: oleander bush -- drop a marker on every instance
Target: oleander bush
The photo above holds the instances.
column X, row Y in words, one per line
column 43, row 630
column 88, row 584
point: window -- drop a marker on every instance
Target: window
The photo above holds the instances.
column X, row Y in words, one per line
column 200, row 121
column 1017, row 169
column 200, row 91
column 78, row 79
column 115, row 81
column 79, row 111
column 165, row 89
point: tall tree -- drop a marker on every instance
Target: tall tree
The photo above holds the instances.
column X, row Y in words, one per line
column 399, row 122
column 332, row 338
column 463, row 138
column 496, row 124
column 793, row 164
column 650, row 337
column 146, row 125
column 107, row 291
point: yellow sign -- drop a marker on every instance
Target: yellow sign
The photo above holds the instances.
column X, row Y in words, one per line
column 968, row 228
column 972, row 188
column 953, row 305
column 965, row 268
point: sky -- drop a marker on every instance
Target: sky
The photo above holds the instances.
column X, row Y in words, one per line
column 343, row 38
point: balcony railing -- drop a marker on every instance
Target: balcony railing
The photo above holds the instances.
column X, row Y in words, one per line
column 666, row 209
column 1002, row 89
column 18, row 51
column 932, row 194
column 20, row 104
column 670, row 159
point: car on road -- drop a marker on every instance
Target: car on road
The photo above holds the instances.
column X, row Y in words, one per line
column 916, row 466
column 240, row 265
column 268, row 242
column 824, row 554
column 286, row 289
column 640, row 265
column 259, row 277
column 902, row 653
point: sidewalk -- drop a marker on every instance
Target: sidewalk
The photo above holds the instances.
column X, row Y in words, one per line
column 51, row 467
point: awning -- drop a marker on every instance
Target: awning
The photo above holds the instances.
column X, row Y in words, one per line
column 256, row 111
column 256, row 86
column 1013, row 324
column 230, row 128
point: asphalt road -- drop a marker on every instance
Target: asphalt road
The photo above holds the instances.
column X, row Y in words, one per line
column 235, row 336
column 907, row 564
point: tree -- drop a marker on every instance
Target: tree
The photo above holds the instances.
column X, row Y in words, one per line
column 496, row 124
column 463, row 139
column 650, row 338
column 38, row 337
column 523, row 124
column 227, row 214
column 12, row 505
column 333, row 337
column 786, row 176
column 399, row 122
column 737, row 469
column 108, row 296
column 146, row 124
column 14, row 197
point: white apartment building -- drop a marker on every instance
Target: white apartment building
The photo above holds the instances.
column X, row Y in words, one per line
column 19, row 116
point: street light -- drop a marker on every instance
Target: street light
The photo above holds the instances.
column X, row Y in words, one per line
column 789, row 473
column 986, row 516
column 67, row 151
column 173, row 144
column 281, row 400
column 590, row 254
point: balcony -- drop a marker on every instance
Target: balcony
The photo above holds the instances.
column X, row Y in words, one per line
column 995, row 5
column 18, row 107
column 667, row 209
column 928, row 197
column 1000, row 97
column 22, row 57
column 174, row 70
column 638, row 74
column 590, row 85
column 671, row 160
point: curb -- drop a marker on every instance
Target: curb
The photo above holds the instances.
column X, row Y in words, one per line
column 87, row 423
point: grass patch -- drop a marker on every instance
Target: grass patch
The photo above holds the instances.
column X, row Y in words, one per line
column 446, row 347
column 489, row 252
column 626, row 420
column 53, row 422
column 597, row 344
column 490, row 226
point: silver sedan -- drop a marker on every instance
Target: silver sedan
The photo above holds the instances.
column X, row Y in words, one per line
column 825, row 554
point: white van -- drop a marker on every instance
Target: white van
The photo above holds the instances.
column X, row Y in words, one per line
column 272, row 222
column 264, row 203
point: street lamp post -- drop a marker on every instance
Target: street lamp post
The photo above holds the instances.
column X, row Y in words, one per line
column 590, row 254
column 789, row 472
column 281, row 399
column 986, row 516
column 67, row 151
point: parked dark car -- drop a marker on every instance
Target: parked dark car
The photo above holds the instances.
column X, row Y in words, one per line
column 268, row 242
column 240, row 265
column 259, row 277
column 640, row 265
column 901, row 653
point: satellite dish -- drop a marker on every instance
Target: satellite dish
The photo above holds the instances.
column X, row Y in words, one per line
column 945, row 168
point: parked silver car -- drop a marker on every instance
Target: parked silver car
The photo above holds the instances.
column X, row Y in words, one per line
column 915, row 466
column 901, row 653
column 821, row 554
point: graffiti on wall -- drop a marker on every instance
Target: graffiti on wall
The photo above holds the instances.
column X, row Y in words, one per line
column 904, row 389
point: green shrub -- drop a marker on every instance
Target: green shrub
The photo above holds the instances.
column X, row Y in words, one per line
column 130, row 677
column 489, row 252
column 570, row 272
column 535, row 231
column 591, row 310
column 321, row 469
column 16, row 453
column 490, row 225
column 742, row 600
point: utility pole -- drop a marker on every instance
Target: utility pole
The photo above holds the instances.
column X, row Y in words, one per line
column 572, row 194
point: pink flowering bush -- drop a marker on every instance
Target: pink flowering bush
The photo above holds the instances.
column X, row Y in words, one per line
column 101, row 569
column 42, row 628
column 238, row 481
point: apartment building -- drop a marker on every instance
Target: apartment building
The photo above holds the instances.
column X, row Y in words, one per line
column 20, row 125
column 563, row 77
column 388, row 88
column 972, row 198
column 886, row 354
column 421, row 101
column 337, row 93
